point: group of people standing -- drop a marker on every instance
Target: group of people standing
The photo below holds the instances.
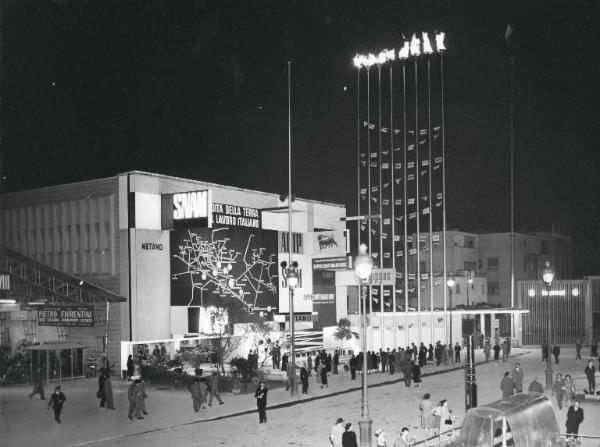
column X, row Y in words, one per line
column 204, row 389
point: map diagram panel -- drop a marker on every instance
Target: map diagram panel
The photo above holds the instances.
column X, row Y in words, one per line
column 211, row 266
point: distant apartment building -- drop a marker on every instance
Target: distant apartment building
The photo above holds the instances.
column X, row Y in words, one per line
column 531, row 251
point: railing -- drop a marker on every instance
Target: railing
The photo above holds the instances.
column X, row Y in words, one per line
column 575, row 440
column 442, row 439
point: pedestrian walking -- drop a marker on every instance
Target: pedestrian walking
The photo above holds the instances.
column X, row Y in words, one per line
column 108, row 391
column 304, row 379
column 517, row 376
column 57, row 399
column 133, row 396
column 349, row 437
column 430, row 354
column 487, row 348
column 143, row 395
column 558, row 390
column 535, row 387
column 336, row 362
column 569, row 390
column 457, row 350
column 590, row 373
column 427, row 419
column 496, row 352
column 324, row 383
column 556, row 353
column 578, row 347
column 380, row 437
column 100, row 393
column 405, row 439
column 38, row 384
column 198, row 391
column 213, row 389
column 505, row 350
column 130, row 367
column 507, row 385
column 445, row 419
column 261, row 402
column 353, row 367
column 574, row 418
column 544, row 350
column 309, row 364
column 416, row 373
column 336, row 433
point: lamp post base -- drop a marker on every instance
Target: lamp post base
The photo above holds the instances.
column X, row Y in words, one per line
column 366, row 431
column 549, row 378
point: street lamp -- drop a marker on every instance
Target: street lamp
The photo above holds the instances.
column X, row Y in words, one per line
column 548, row 277
column 363, row 265
column 291, row 276
column 469, row 286
column 450, row 283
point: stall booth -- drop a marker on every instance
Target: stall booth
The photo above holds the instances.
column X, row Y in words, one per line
column 523, row 420
column 58, row 360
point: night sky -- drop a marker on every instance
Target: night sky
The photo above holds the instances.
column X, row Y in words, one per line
column 199, row 89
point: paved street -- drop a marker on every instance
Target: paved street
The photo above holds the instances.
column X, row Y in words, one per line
column 26, row 422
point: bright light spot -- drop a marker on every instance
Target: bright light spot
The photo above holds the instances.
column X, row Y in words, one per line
column 403, row 53
column 269, row 308
column 531, row 293
column 382, row 57
column 426, row 44
column 261, row 314
column 439, row 41
column 215, row 273
column 345, row 88
column 359, row 61
column 229, row 267
column 53, row 83
column 231, row 283
column 219, row 264
column 203, row 276
column 415, row 45
column 371, row 60
column 575, row 292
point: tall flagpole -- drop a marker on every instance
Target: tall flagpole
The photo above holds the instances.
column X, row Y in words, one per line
column 405, row 203
column 417, row 197
column 369, row 193
column 393, row 202
column 430, row 194
column 358, row 222
column 443, row 124
column 511, row 62
column 380, row 162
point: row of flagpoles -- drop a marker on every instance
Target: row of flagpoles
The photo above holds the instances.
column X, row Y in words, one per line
column 401, row 180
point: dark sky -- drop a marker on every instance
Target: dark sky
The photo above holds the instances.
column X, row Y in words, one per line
column 199, row 89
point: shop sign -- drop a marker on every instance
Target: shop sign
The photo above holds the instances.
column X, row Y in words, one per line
column 331, row 263
column 186, row 210
column 301, row 318
column 382, row 277
column 21, row 315
column 236, row 216
column 66, row 316
column 297, row 243
column 330, row 242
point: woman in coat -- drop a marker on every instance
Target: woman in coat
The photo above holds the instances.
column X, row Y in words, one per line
column 558, row 389
column 349, row 437
column 427, row 422
column 130, row 366
column 445, row 419
column 569, row 389
column 108, row 392
column 590, row 373
column 261, row 402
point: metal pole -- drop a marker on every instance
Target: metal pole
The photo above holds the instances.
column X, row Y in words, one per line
column 369, row 180
column 365, row 422
column 444, row 195
column 393, row 203
column 430, row 194
column 450, row 291
column 290, row 289
column 358, row 222
column 405, row 203
column 417, row 199
column 380, row 162
column 512, row 192
column 548, row 351
column 470, row 379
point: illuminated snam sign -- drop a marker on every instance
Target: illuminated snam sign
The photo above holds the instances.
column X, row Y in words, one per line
column 190, row 205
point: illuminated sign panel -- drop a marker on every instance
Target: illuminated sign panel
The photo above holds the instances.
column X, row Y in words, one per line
column 235, row 216
column 69, row 316
column 186, row 210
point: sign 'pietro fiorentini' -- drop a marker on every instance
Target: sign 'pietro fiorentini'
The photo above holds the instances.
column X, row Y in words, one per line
column 66, row 316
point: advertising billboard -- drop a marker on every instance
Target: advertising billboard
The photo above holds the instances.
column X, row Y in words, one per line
column 66, row 316
column 213, row 266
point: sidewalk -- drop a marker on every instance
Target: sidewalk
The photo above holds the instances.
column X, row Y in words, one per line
column 25, row 422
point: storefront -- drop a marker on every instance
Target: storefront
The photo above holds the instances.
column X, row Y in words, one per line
column 57, row 361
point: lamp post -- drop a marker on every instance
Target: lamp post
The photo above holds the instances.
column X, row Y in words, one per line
column 469, row 285
column 291, row 276
column 450, row 283
column 363, row 265
column 548, row 277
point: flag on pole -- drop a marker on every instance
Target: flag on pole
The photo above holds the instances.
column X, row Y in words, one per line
column 424, row 162
column 411, row 147
column 410, row 177
column 386, row 221
column 410, row 165
column 373, row 154
column 426, row 210
column 398, row 202
column 399, row 253
column 373, row 164
column 385, row 165
column 411, row 201
column 384, row 130
column 385, row 201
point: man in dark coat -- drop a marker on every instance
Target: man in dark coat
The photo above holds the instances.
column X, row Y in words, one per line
column 57, row 399
column 535, row 387
column 574, row 418
column 517, row 376
column 416, row 371
column 556, row 353
column 304, row 379
column 261, row 402
column 507, row 385
column 353, row 362
column 457, row 350
column 213, row 386
column 392, row 362
column 38, row 384
column 496, row 352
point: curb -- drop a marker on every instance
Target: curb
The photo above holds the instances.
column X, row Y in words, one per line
column 280, row 405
